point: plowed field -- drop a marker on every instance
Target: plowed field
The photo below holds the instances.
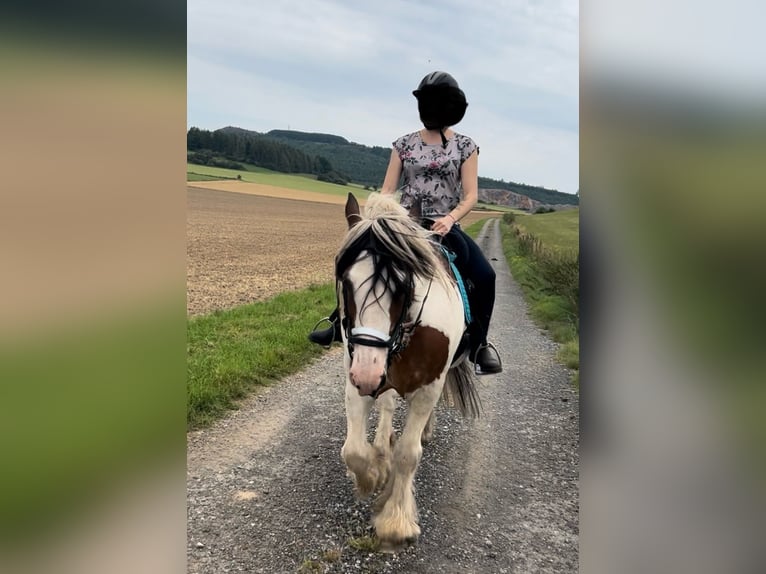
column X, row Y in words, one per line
column 250, row 242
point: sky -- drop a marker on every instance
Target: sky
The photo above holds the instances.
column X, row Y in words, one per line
column 348, row 68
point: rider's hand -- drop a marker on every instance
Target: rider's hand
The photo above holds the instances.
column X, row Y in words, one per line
column 443, row 225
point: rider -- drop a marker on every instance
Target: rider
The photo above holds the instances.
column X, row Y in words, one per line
column 440, row 169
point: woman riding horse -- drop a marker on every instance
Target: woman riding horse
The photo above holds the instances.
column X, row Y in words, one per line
column 440, row 169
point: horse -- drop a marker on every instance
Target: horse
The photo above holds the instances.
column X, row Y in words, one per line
column 402, row 321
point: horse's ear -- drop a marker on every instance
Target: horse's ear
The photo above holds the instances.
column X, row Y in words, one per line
column 352, row 211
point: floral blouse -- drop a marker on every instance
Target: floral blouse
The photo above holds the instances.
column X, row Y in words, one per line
column 432, row 172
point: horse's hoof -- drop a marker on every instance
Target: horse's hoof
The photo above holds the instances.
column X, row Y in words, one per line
column 387, row 547
column 394, row 546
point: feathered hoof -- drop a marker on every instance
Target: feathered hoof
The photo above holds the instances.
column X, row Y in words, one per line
column 395, row 534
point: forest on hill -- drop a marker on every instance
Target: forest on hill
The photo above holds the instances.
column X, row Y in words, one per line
column 329, row 157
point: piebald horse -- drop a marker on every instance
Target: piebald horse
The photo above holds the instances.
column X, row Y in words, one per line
column 402, row 320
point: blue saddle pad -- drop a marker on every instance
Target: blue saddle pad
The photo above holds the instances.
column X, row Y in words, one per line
column 460, row 283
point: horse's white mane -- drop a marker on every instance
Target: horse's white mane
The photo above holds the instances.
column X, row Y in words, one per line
column 407, row 241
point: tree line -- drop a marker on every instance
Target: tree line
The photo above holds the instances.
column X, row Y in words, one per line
column 221, row 146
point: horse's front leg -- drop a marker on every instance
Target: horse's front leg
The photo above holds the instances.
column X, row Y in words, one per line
column 397, row 519
column 357, row 452
column 384, row 435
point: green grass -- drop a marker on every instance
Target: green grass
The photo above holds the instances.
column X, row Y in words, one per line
column 255, row 174
column 549, row 278
column 473, row 229
column 365, row 543
column 309, row 566
column 557, row 230
column 231, row 352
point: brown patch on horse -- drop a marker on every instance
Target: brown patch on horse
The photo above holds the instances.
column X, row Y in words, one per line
column 420, row 363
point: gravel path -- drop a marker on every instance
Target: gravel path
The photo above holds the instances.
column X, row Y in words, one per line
column 267, row 490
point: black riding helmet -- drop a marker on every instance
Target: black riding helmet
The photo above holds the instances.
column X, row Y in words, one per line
column 441, row 102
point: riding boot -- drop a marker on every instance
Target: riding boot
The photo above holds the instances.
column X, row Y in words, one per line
column 325, row 337
column 487, row 359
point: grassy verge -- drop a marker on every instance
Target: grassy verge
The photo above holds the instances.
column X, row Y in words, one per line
column 549, row 275
column 230, row 352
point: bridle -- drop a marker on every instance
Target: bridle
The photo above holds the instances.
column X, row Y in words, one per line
column 397, row 341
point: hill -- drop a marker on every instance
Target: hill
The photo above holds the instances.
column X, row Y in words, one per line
column 364, row 164
column 336, row 158
column 230, row 147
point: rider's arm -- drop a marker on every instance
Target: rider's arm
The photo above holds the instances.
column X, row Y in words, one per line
column 393, row 173
column 469, row 175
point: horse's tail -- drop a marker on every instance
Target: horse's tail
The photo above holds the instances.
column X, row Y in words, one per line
column 460, row 390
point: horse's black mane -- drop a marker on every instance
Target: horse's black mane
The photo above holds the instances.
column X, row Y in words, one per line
column 395, row 273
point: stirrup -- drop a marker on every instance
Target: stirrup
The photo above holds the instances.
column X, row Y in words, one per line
column 476, row 369
column 332, row 324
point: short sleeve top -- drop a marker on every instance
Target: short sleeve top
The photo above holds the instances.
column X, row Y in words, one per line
column 432, row 172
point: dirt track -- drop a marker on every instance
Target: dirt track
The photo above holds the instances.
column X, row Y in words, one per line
column 247, row 242
column 267, row 491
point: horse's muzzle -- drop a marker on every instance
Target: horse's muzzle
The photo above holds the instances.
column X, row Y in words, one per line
column 369, row 389
column 368, row 370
